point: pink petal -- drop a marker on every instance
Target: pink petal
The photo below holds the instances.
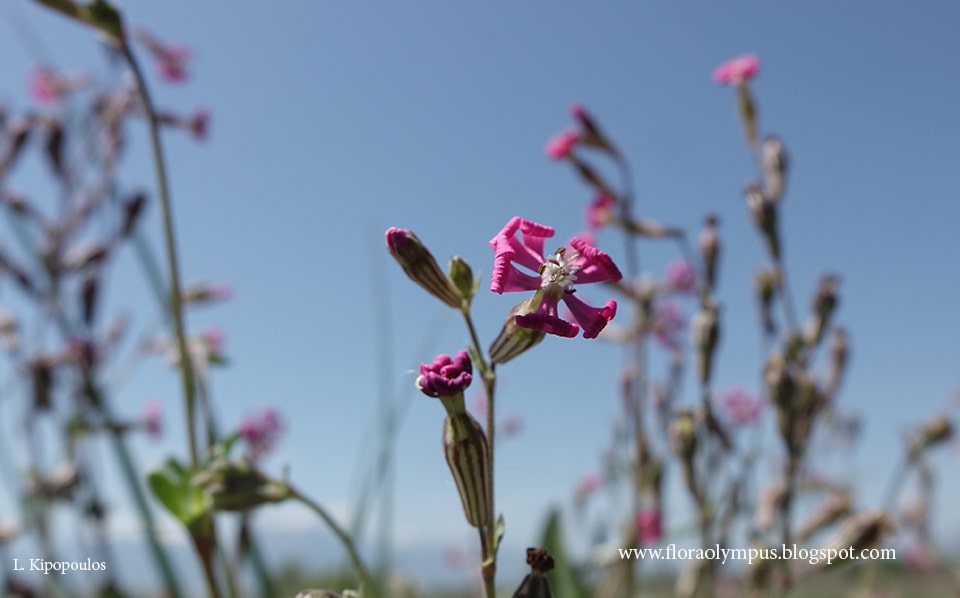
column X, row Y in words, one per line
column 596, row 266
column 592, row 319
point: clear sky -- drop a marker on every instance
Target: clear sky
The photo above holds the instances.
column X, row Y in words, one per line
column 333, row 121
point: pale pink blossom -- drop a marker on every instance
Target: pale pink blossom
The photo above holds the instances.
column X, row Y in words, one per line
column 682, row 276
column 199, row 123
column 261, row 432
column 561, row 145
column 668, row 323
column 152, row 422
column 45, row 85
column 740, row 407
column 737, row 71
column 600, row 211
column 589, row 484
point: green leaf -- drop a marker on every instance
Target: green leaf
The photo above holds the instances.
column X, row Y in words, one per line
column 171, row 484
column 499, row 531
column 564, row 580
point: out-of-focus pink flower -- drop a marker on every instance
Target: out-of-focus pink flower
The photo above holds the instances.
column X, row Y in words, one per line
column 668, row 323
column 682, row 276
column 261, row 432
column 740, row 407
column 919, row 558
column 172, row 63
column 446, row 376
column 45, row 85
column 511, row 426
column 589, row 484
column 557, row 274
column 649, row 526
column 455, row 556
column 478, row 406
column 199, row 123
column 737, row 71
column 213, row 338
column 562, row 144
column 152, row 422
column 600, row 211
column 171, row 59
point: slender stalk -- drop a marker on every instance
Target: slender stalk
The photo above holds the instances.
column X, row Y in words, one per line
column 173, row 268
column 365, row 579
column 488, row 537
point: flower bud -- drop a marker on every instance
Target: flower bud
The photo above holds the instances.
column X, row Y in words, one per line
column 766, row 284
column 462, row 276
column 514, row 339
column 465, row 447
column 420, row 266
column 764, row 214
column 839, row 355
column 824, row 304
column 446, row 376
column 830, row 511
column 710, row 250
column 234, row 486
column 705, row 334
column 864, row 530
column 936, row 430
column 774, row 160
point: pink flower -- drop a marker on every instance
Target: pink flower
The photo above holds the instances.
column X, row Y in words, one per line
column 172, row 63
column 554, row 279
column 668, row 323
column 478, row 405
column 510, row 427
column 446, row 376
column 171, row 60
column 151, row 419
column 589, row 484
column 649, row 526
column 261, row 432
column 213, row 338
column 562, row 144
column 600, row 211
column 740, row 407
column 199, row 123
column 737, row 71
column 45, row 85
column 682, row 276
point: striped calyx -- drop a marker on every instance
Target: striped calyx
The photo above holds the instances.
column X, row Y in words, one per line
column 514, row 339
column 465, row 447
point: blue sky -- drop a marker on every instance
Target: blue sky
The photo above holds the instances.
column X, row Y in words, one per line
column 333, row 121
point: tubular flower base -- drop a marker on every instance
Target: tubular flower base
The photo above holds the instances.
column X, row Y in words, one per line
column 554, row 281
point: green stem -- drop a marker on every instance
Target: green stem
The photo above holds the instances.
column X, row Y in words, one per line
column 488, row 536
column 365, row 579
column 166, row 205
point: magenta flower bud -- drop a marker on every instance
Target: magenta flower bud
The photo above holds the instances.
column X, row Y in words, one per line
column 420, row 266
column 561, row 146
column 446, row 376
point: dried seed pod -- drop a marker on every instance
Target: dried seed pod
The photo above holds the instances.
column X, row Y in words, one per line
column 773, row 157
column 535, row 584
